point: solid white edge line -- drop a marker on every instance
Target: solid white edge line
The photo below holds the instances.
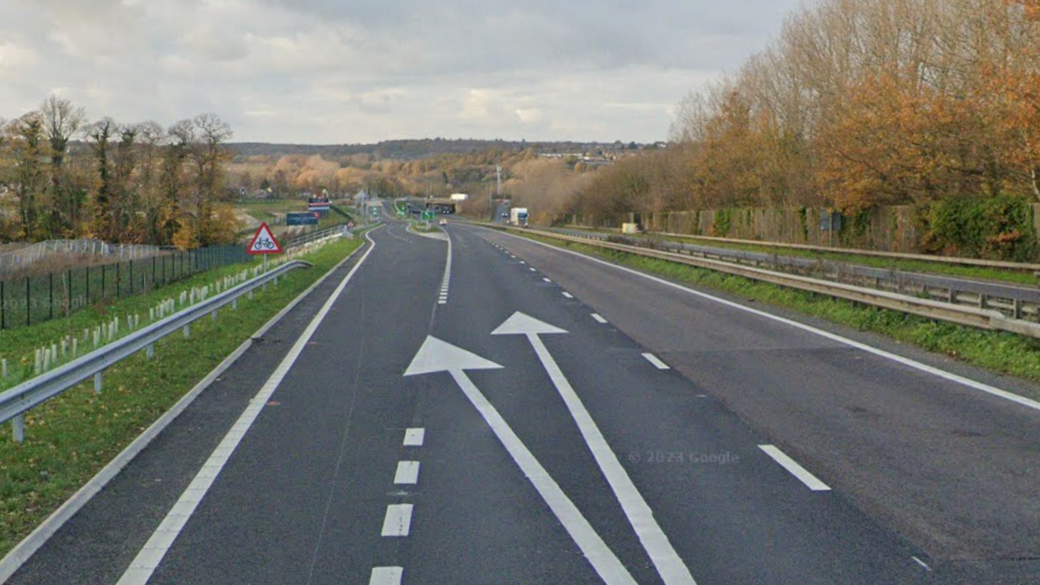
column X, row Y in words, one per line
column 792, row 466
column 148, row 559
column 968, row 382
column 407, row 473
column 398, row 520
column 653, row 359
column 386, row 576
column 666, row 559
column 25, row 549
column 414, row 437
column 599, row 318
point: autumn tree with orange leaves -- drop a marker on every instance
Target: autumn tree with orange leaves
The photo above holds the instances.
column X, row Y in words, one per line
column 861, row 103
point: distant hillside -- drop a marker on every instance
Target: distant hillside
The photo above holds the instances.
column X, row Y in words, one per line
column 412, row 149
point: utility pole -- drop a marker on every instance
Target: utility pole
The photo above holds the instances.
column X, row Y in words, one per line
column 498, row 183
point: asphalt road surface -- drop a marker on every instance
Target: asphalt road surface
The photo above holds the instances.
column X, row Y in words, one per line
column 492, row 410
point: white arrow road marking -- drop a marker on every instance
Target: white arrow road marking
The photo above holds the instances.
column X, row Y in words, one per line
column 438, row 356
column 668, row 563
column 968, row 382
column 148, row 559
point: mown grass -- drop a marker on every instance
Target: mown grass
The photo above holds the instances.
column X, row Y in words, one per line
column 420, row 226
column 70, row 438
column 921, row 266
column 1000, row 352
column 17, row 345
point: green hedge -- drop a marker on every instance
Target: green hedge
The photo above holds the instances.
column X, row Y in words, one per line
column 998, row 227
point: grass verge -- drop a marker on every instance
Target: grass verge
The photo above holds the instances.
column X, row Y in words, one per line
column 420, row 226
column 1001, row 352
column 920, row 266
column 70, row 438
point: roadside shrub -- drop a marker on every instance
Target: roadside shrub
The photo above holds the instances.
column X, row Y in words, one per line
column 998, row 227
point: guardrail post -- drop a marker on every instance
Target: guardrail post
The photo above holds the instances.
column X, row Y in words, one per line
column 983, row 301
column 187, row 331
column 213, row 315
column 97, row 383
column 234, row 303
column 1018, row 308
column 150, row 351
column 18, row 426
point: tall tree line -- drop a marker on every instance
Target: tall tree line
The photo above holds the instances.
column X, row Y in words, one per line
column 856, row 103
column 63, row 176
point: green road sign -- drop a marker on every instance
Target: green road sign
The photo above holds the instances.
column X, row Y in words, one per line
column 428, row 215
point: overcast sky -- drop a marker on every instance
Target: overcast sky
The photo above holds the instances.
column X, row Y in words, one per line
column 346, row 71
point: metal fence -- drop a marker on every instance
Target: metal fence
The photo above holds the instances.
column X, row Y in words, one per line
column 950, row 305
column 15, row 402
column 29, row 300
column 24, row 258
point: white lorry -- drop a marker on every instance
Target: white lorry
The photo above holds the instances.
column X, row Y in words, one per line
column 518, row 216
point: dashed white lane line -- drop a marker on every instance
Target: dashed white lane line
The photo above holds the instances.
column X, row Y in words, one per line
column 568, row 295
column 442, row 298
column 653, row 359
column 546, row 279
column 599, row 319
column 796, row 470
column 386, row 576
column 532, row 270
column 414, row 437
column 522, row 262
column 922, row 563
column 398, row 521
column 992, row 390
column 407, row 473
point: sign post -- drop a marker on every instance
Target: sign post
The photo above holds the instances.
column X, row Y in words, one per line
column 264, row 243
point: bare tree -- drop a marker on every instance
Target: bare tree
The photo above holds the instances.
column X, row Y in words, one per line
column 62, row 120
column 100, row 135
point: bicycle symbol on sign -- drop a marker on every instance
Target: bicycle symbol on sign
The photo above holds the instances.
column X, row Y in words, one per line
column 264, row 243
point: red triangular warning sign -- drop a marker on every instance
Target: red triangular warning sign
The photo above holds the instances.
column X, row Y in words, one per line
column 263, row 242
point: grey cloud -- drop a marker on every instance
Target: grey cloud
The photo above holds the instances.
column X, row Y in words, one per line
column 335, row 71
